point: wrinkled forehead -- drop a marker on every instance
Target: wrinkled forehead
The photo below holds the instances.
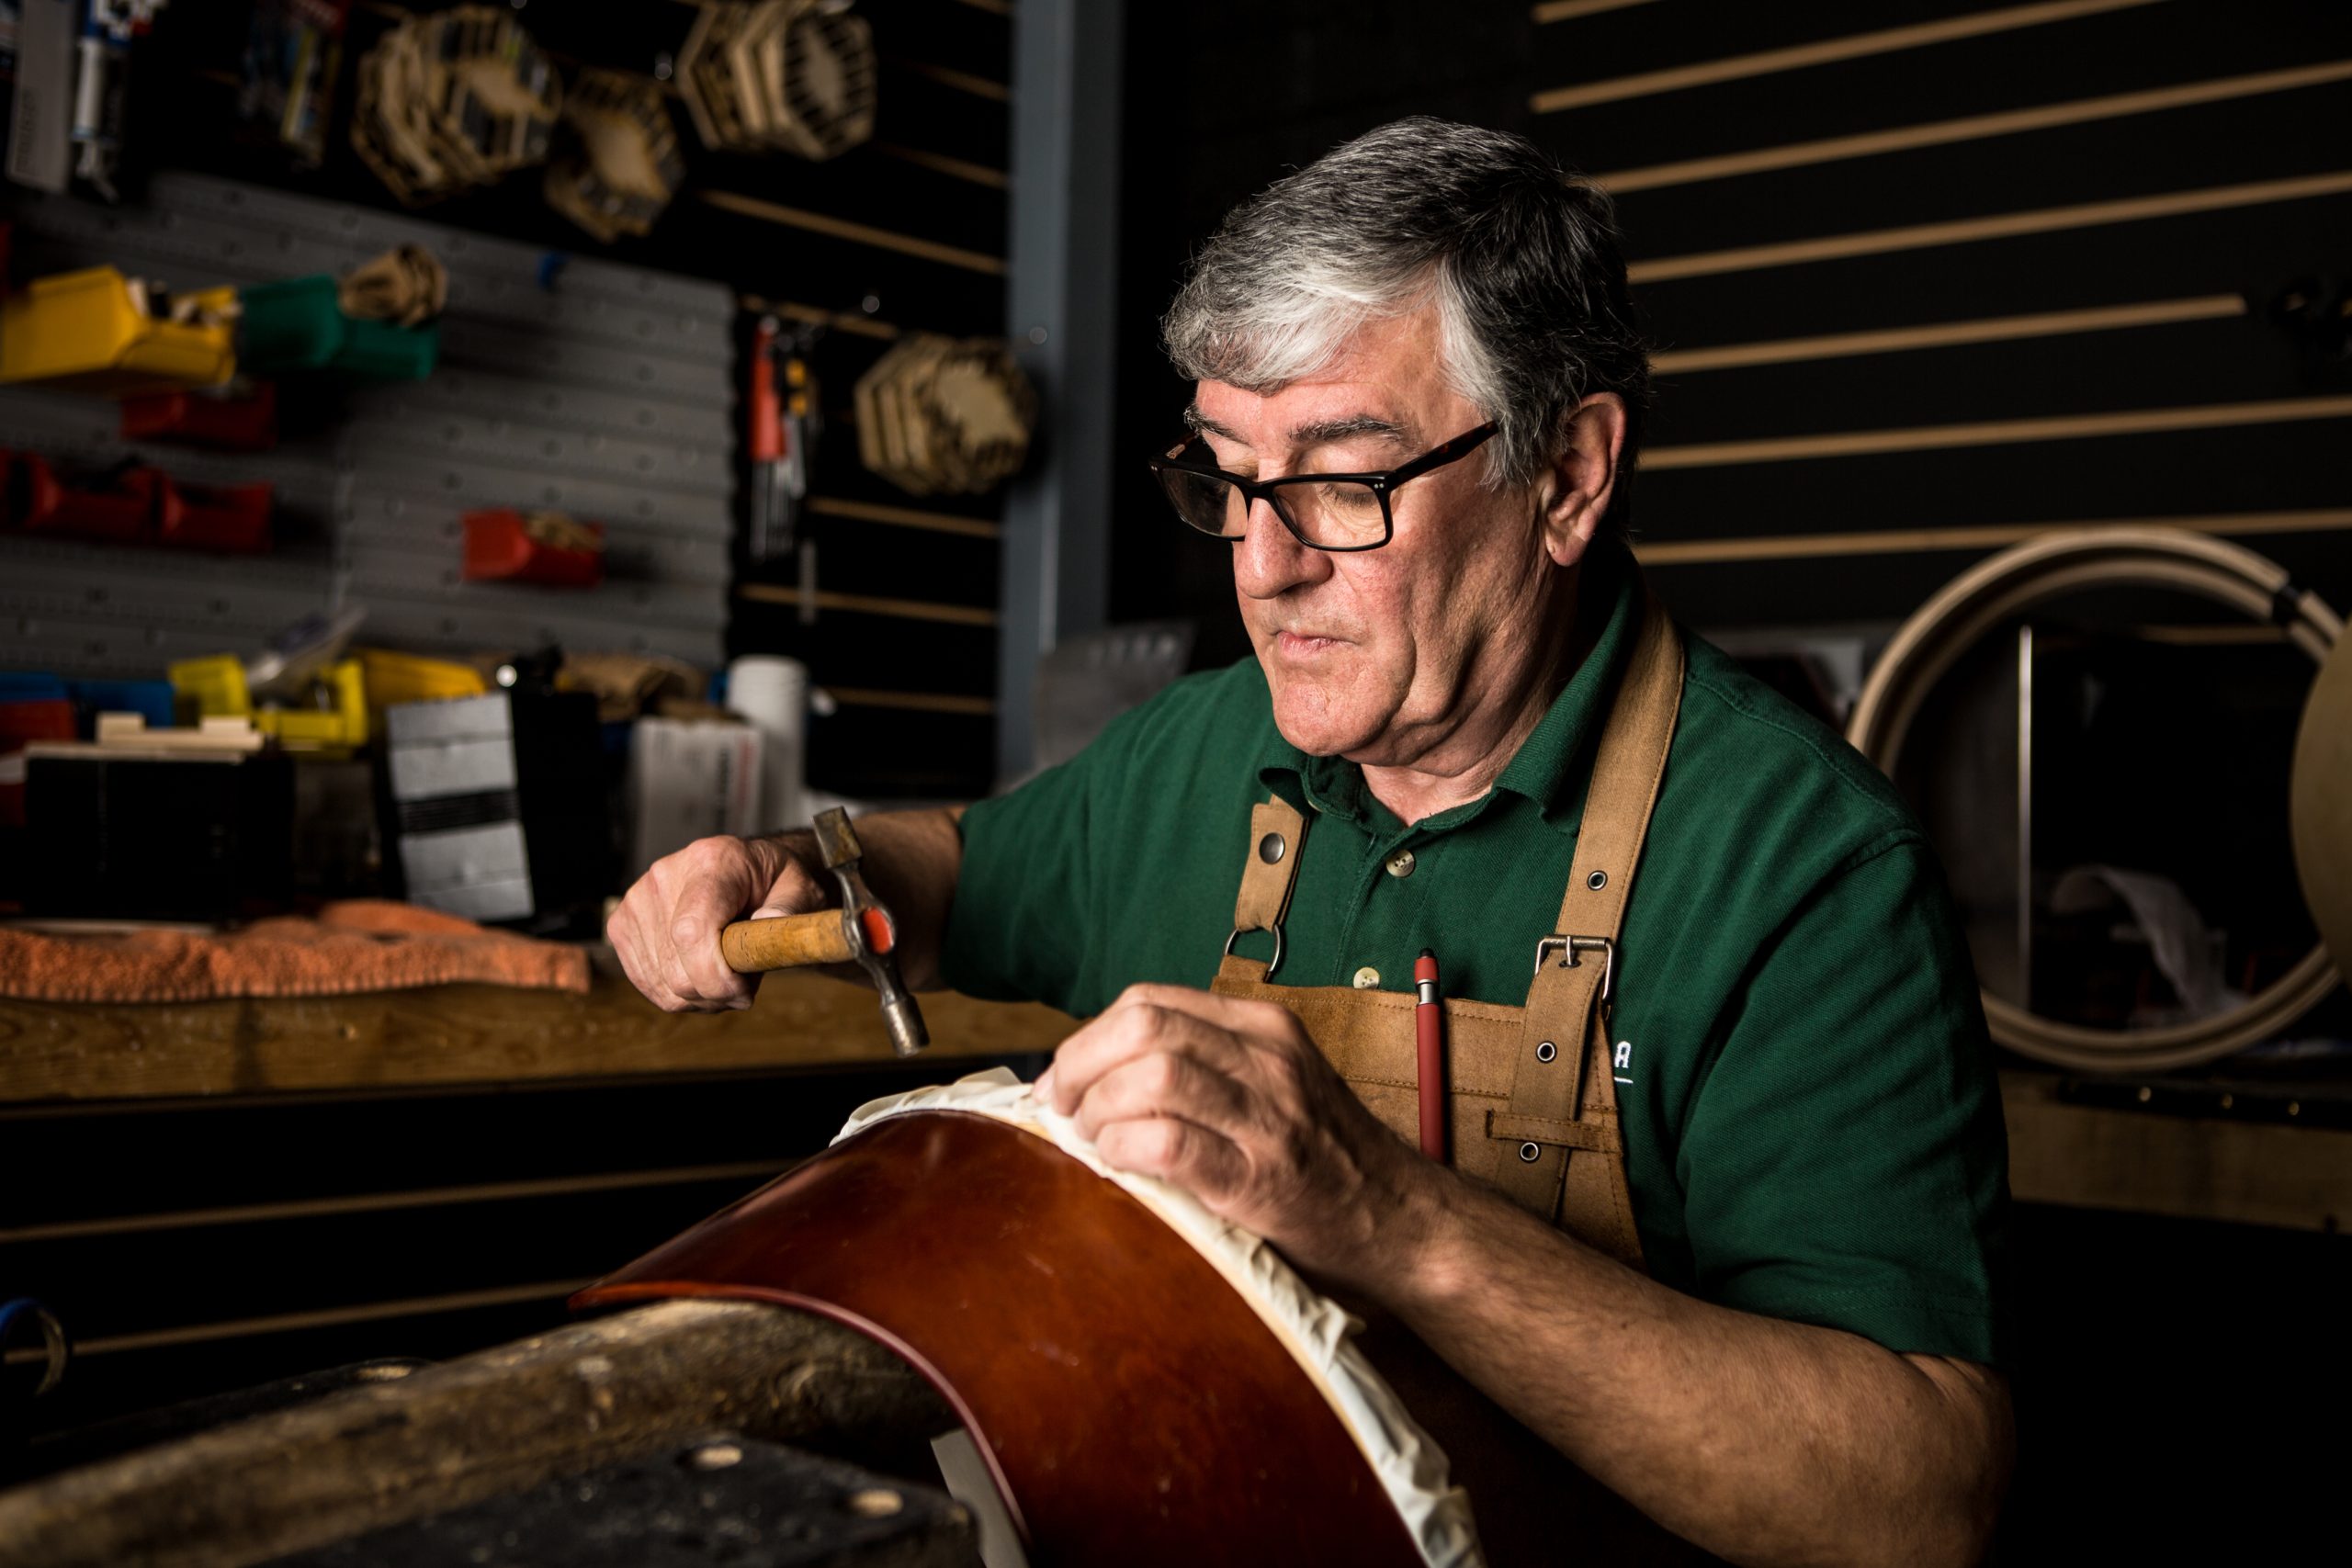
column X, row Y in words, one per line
column 1382, row 384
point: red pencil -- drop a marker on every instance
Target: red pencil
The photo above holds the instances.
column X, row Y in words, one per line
column 1428, row 1025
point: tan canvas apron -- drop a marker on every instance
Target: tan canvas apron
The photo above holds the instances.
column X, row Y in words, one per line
column 1532, row 1107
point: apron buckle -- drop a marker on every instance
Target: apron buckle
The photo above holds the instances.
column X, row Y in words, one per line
column 1568, row 946
column 1277, row 962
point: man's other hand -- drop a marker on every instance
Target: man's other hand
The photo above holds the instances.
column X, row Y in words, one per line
column 1231, row 1101
column 666, row 929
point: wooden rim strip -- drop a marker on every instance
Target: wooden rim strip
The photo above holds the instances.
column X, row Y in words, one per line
column 856, row 234
column 1824, row 52
column 325, row 1317
column 1907, row 541
column 412, row 1198
column 905, row 517
column 1999, row 226
column 914, row 701
column 1997, row 432
column 1569, row 10
column 1972, row 128
column 869, row 605
column 1940, row 334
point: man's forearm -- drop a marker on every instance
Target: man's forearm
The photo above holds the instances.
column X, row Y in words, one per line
column 1764, row 1441
column 910, row 863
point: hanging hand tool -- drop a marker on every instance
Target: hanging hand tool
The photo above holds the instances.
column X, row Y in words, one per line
column 781, row 406
column 861, row 931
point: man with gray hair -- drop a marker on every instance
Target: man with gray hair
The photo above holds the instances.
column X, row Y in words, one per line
column 1718, row 1207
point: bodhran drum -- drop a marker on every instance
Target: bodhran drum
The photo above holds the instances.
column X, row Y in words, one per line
column 1146, row 1383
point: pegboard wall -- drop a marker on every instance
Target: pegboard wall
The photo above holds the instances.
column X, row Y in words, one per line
column 905, row 233
column 595, row 389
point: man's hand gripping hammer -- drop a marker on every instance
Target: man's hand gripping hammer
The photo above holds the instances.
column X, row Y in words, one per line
column 860, row 933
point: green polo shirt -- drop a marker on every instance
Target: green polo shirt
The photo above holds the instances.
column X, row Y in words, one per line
column 1813, row 1127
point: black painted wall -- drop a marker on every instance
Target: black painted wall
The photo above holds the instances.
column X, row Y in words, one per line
column 1225, row 104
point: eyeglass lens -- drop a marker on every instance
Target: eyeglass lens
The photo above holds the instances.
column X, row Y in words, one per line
column 1332, row 513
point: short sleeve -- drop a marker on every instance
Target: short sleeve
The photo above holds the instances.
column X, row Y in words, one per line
column 1843, row 1162
column 1016, row 930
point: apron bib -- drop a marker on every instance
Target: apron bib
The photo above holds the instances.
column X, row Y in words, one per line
column 1531, row 1110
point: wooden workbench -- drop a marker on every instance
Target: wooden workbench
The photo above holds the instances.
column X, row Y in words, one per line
column 445, row 1036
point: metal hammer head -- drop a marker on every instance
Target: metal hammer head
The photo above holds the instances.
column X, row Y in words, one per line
column 873, row 934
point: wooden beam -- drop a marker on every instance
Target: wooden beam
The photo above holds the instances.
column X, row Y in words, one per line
column 469, row 1429
column 441, row 1037
column 2189, row 1167
column 1569, row 10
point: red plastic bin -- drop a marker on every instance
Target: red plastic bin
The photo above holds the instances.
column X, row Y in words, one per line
column 244, row 423
column 505, row 546
column 28, row 489
column 128, row 504
column 218, row 517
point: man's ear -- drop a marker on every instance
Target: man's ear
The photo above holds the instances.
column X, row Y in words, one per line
column 1583, row 476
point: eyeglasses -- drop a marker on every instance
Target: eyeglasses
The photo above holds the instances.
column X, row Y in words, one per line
column 1323, row 512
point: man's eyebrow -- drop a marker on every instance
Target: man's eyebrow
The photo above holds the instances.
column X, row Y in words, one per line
column 1315, row 433
column 1200, row 424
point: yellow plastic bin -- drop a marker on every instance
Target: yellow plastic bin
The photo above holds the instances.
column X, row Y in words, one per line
column 83, row 331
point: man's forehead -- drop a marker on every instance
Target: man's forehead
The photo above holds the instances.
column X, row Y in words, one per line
column 1300, row 416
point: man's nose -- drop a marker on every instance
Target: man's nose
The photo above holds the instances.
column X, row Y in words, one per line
column 1268, row 559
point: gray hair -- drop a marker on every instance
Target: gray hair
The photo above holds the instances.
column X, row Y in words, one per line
column 1518, row 255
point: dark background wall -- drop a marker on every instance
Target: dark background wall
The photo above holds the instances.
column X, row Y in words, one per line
column 2166, row 1368
column 2165, row 320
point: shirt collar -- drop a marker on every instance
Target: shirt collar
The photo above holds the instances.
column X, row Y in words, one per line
column 1545, row 769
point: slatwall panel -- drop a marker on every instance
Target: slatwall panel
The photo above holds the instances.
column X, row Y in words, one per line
column 195, row 1247
column 905, row 233
column 606, row 396
column 1925, row 277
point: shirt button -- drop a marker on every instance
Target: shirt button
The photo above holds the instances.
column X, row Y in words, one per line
column 1401, row 864
column 1367, row 979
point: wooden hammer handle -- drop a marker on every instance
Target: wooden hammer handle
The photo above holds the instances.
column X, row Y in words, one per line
column 785, row 941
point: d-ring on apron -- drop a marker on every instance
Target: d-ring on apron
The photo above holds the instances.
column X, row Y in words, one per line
column 1533, row 1106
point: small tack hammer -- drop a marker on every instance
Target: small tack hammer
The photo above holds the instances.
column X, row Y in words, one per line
column 860, row 933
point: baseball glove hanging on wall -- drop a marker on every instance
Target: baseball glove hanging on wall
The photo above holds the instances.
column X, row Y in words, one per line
column 938, row 416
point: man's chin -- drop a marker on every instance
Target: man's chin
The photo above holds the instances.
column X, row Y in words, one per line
column 1308, row 722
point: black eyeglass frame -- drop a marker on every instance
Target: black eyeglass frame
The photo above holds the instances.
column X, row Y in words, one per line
column 1381, row 484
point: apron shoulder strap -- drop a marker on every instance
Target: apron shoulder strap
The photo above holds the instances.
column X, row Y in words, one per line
column 1268, row 876
column 1563, row 1095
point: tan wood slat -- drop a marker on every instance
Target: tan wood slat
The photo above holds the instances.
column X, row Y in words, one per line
column 377, row 1202
column 441, row 1037
column 2192, row 1168
column 993, row 8
column 914, row 701
column 905, row 517
column 856, row 234
column 1941, row 334
column 1569, row 10
column 1996, row 433
column 1997, row 226
column 1798, row 56
column 947, row 76
column 869, row 605
column 1974, row 128
column 940, row 162
column 840, row 320
column 327, row 1317
column 1985, row 536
